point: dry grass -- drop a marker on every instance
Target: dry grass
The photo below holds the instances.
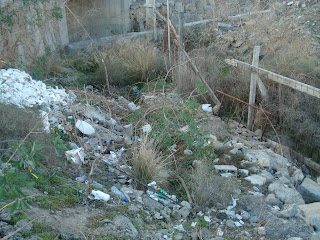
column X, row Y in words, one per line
column 209, row 189
column 130, row 61
column 148, row 165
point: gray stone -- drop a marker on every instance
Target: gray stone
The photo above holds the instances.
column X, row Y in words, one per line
column 264, row 162
column 256, row 180
column 254, row 219
column 272, row 200
column 151, row 204
column 245, row 215
column 184, row 211
column 310, row 191
column 289, row 211
column 124, row 224
column 188, row 152
column 179, row 236
column 314, row 222
column 230, row 224
column 234, row 151
column 205, row 233
column 262, row 231
column 6, row 229
column 176, row 215
column 284, row 180
column 266, row 174
column 286, row 194
column 23, row 222
column 5, row 215
column 186, row 204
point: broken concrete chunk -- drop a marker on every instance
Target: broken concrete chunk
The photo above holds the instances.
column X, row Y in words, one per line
column 286, row 194
column 85, row 127
column 221, row 169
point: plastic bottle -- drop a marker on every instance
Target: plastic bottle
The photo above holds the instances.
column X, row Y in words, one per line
column 120, row 194
column 98, row 195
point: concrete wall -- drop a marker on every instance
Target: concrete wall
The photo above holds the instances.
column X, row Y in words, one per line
column 100, row 18
column 34, row 29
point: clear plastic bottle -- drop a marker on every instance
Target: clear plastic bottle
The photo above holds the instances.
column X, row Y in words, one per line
column 120, row 194
column 99, row 195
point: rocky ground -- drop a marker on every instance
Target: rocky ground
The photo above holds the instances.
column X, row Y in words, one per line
column 274, row 198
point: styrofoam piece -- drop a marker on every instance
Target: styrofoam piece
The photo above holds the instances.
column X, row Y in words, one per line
column 76, row 155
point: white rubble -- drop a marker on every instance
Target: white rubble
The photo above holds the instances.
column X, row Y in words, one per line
column 85, row 128
column 18, row 88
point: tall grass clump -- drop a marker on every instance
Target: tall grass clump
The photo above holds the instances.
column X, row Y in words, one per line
column 148, row 165
column 129, row 62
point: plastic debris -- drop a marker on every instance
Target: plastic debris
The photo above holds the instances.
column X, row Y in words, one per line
column 73, row 145
column 133, row 107
column 219, row 232
column 238, row 224
column 120, row 194
column 136, row 90
column 207, row 219
column 85, row 127
column 193, row 224
column 99, row 195
column 207, row 107
column 163, row 196
column 173, row 148
column 113, row 157
column 179, row 228
column 200, row 214
column 234, row 204
column 146, row 128
column 82, row 179
column 76, row 155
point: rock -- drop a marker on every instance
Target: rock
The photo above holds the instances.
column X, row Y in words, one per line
column 5, row 215
column 314, row 222
column 310, row 191
column 245, row 215
column 124, row 224
column 6, row 229
column 289, row 211
column 184, row 211
column 310, row 210
column 23, row 222
column 179, row 236
column 176, row 215
column 295, row 238
column 257, row 133
column 264, row 162
column 188, row 152
column 151, row 204
column 230, row 224
column 286, row 194
column 95, row 115
column 297, row 177
column 243, row 172
column 218, row 146
column 266, row 174
column 85, row 127
column 256, row 180
column 234, row 151
column 205, row 233
column 272, row 200
column 186, row 204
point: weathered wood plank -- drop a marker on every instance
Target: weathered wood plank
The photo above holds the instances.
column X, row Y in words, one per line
column 253, row 86
column 302, row 87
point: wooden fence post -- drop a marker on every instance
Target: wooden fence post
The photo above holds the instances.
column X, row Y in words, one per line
column 155, row 36
column 253, row 86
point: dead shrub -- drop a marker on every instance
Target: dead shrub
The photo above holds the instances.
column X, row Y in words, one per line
column 209, row 189
column 148, row 165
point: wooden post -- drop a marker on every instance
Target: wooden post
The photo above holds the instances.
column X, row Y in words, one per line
column 180, row 54
column 168, row 26
column 253, row 86
column 302, row 87
column 155, row 36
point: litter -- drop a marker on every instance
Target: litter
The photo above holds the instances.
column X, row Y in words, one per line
column 85, row 127
column 99, row 195
column 179, row 228
column 200, row 214
column 234, row 204
column 133, row 107
column 112, row 158
column 163, row 196
column 188, row 152
column 82, row 179
column 207, row 107
column 219, row 232
column 238, row 224
column 120, row 194
column 76, row 155
column 146, row 128
column 193, row 224
column 207, row 219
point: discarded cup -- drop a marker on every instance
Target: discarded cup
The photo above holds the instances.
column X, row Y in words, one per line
column 207, row 107
column 99, row 195
column 120, row 194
